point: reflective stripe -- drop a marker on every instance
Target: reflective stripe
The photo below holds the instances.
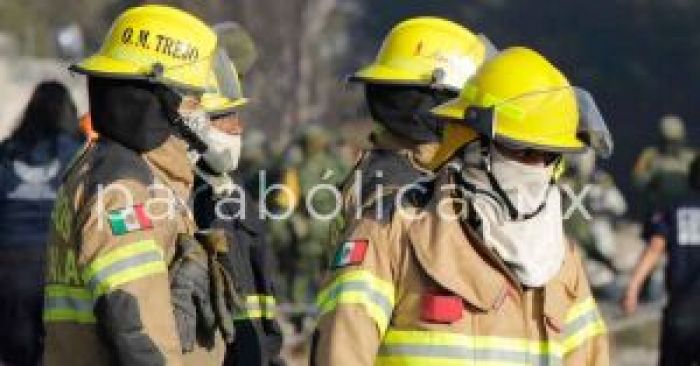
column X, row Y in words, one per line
column 360, row 288
column 65, row 303
column 122, row 265
column 583, row 322
column 400, row 347
column 258, row 306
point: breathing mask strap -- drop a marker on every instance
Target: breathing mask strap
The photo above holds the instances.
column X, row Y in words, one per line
column 513, row 211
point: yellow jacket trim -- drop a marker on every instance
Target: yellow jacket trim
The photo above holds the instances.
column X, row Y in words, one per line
column 258, row 306
column 583, row 322
column 413, row 347
column 360, row 287
column 66, row 303
column 122, row 265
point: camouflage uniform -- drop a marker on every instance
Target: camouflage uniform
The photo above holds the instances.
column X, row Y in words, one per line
column 661, row 171
column 307, row 237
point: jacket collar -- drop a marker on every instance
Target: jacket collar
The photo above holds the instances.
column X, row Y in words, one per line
column 453, row 257
column 419, row 154
column 172, row 166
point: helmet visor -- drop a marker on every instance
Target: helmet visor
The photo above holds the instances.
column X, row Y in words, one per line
column 224, row 77
column 490, row 49
column 592, row 128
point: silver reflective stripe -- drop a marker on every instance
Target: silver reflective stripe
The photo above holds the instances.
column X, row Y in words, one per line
column 581, row 322
column 362, row 286
column 122, row 265
column 451, row 352
column 69, row 303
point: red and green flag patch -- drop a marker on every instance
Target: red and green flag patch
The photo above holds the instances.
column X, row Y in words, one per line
column 129, row 219
column 351, row 252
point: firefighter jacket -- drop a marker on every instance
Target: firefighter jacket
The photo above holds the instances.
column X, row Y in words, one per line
column 421, row 288
column 113, row 236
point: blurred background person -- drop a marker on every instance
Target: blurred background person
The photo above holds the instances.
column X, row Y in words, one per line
column 302, row 239
column 661, row 171
column 32, row 160
column 592, row 225
column 660, row 174
column 675, row 231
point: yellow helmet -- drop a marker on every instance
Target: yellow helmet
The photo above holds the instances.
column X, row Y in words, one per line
column 217, row 102
column 520, row 98
column 426, row 51
column 157, row 43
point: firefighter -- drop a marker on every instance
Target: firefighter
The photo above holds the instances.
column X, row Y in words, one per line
column 480, row 274
column 422, row 63
column 221, row 204
column 126, row 281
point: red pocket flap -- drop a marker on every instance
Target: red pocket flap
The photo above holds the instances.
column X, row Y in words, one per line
column 438, row 308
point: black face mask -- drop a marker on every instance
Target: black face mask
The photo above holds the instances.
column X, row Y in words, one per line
column 132, row 113
column 405, row 110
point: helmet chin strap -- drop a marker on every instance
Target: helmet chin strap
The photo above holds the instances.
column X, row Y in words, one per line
column 513, row 211
column 178, row 122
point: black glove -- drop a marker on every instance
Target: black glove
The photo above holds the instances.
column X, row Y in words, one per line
column 226, row 300
column 191, row 293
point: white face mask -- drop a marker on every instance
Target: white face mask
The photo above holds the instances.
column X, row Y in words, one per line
column 223, row 150
column 525, row 185
column 534, row 248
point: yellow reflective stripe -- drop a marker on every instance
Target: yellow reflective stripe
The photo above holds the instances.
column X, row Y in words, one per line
column 258, row 306
column 122, row 265
column 383, row 287
column 360, row 287
column 583, row 322
column 66, row 303
column 61, row 315
column 401, row 347
column 268, row 300
column 56, row 290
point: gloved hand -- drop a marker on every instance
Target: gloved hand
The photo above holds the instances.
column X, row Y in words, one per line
column 226, row 300
column 191, row 293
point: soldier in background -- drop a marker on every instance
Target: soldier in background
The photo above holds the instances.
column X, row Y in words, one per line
column 661, row 171
column 312, row 163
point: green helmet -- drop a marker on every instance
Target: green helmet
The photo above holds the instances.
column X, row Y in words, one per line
column 239, row 44
column 672, row 128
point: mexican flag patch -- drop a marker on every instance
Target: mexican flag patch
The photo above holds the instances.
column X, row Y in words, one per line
column 351, row 252
column 129, row 219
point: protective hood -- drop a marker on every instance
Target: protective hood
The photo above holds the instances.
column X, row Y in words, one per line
column 404, row 110
column 131, row 112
